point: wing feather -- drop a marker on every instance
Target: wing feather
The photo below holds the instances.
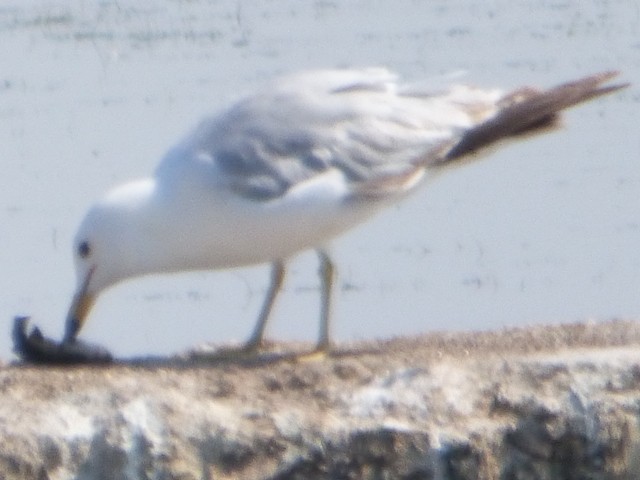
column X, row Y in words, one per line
column 361, row 122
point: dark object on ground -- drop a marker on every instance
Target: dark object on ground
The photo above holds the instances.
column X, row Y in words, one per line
column 36, row 348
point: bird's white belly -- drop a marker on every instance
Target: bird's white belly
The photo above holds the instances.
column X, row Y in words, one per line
column 221, row 231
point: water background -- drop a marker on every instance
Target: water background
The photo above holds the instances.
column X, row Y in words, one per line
column 546, row 231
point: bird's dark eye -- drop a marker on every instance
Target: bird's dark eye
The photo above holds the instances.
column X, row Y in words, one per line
column 84, row 249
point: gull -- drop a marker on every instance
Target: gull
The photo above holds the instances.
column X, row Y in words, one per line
column 292, row 166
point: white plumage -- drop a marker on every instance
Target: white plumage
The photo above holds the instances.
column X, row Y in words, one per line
column 289, row 168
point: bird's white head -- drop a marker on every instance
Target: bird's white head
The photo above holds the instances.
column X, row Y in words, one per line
column 109, row 247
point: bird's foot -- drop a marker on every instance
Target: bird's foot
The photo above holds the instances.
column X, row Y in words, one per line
column 321, row 352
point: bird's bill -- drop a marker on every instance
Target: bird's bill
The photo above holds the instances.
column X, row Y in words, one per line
column 79, row 309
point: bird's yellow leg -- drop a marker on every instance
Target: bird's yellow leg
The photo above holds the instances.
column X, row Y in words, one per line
column 255, row 341
column 327, row 277
column 277, row 278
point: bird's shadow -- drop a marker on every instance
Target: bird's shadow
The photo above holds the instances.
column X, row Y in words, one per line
column 33, row 348
column 242, row 358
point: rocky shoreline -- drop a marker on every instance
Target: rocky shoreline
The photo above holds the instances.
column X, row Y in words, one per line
column 558, row 402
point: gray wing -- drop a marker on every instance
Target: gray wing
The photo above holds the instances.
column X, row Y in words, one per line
column 361, row 122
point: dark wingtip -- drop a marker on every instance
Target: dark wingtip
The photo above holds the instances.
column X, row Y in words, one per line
column 595, row 84
column 531, row 111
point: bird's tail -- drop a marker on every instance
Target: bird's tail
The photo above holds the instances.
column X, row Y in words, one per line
column 528, row 111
